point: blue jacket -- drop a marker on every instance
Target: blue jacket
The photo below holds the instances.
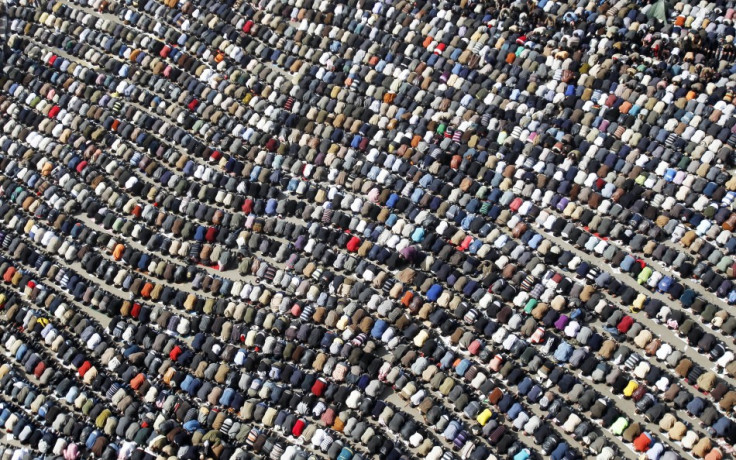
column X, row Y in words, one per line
column 199, row 234
column 434, row 292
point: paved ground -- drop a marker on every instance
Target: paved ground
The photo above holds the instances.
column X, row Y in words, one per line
column 666, row 334
column 391, row 396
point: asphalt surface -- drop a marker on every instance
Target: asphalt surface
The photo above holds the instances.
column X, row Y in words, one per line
column 392, row 396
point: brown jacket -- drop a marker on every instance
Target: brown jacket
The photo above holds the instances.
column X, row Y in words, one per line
column 607, row 349
column 683, row 367
column 728, row 401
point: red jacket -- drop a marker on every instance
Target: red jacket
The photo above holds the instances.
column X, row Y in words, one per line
column 8, row 275
column 272, row 145
column 247, row 207
column 641, row 443
column 84, row 368
column 211, row 234
column 625, row 324
column 175, row 352
column 353, row 244
column 298, row 428
column 137, row 381
column 319, row 387
column 40, row 367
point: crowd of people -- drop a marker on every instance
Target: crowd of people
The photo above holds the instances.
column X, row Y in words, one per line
column 358, row 229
